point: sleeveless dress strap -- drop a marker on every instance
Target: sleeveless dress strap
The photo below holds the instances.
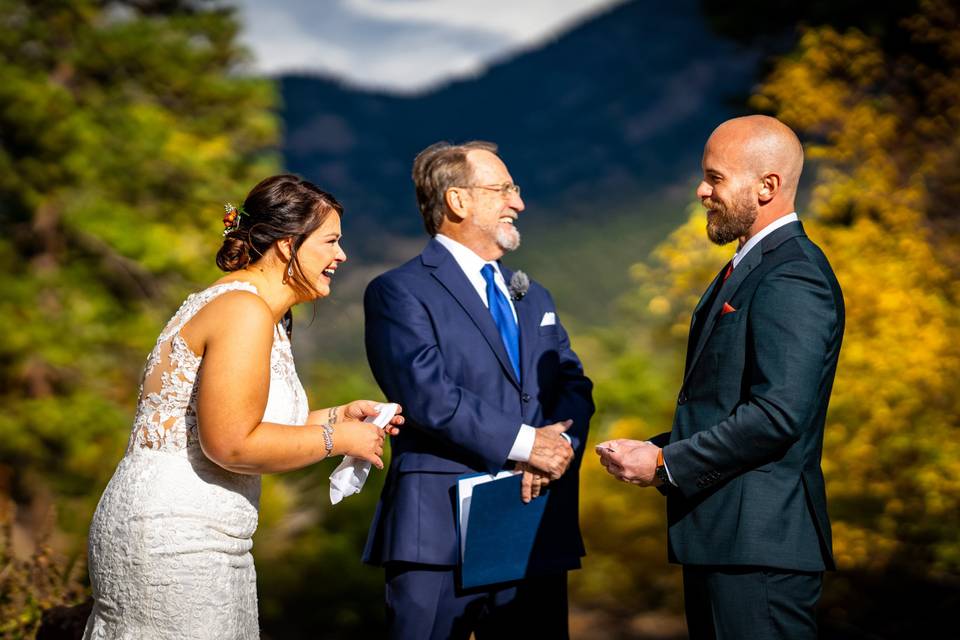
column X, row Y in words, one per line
column 196, row 301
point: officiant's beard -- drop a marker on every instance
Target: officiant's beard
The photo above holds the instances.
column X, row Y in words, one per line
column 729, row 222
column 508, row 239
column 506, row 236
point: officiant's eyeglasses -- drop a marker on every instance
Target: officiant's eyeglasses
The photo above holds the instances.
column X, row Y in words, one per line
column 506, row 189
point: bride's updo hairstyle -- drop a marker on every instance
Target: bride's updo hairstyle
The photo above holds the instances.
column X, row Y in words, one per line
column 283, row 206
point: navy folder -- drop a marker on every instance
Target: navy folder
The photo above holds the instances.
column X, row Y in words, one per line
column 501, row 532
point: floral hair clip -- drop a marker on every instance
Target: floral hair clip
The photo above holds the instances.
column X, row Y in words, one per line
column 231, row 221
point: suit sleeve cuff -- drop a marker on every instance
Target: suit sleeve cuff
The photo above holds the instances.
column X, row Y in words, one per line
column 523, row 445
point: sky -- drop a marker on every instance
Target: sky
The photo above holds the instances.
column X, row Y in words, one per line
column 402, row 46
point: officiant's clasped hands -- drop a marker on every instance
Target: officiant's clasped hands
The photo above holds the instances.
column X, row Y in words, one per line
column 549, row 459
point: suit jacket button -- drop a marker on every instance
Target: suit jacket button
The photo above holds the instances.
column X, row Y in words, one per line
column 525, row 397
column 682, row 397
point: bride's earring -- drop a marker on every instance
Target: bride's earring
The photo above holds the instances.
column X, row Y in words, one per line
column 289, row 272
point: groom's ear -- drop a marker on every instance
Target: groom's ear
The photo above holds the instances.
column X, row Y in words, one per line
column 769, row 187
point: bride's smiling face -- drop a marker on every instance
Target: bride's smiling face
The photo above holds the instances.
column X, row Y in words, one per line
column 320, row 255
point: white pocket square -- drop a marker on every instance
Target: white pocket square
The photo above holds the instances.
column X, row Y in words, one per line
column 549, row 318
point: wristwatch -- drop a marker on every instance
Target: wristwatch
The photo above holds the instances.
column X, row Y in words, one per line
column 661, row 471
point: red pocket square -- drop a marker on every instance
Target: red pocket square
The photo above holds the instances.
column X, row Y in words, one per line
column 726, row 309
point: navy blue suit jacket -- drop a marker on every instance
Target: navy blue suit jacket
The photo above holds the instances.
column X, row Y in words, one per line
column 434, row 348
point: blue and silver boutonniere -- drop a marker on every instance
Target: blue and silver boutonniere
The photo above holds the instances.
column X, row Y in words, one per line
column 519, row 284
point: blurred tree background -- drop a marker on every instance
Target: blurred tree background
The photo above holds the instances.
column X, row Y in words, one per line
column 126, row 124
column 122, row 125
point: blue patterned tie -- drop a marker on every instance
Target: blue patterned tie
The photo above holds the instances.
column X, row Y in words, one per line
column 503, row 318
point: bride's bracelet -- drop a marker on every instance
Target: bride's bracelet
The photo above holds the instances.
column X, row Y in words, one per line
column 328, row 430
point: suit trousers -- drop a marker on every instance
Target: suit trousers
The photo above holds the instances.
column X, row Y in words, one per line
column 750, row 603
column 424, row 601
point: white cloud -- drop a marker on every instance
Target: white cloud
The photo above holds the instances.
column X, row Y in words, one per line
column 522, row 21
column 399, row 45
column 281, row 43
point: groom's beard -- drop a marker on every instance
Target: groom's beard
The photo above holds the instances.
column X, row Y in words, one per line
column 727, row 223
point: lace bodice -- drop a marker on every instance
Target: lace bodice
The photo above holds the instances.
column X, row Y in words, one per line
column 166, row 417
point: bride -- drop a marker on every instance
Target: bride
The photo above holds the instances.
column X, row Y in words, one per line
column 220, row 403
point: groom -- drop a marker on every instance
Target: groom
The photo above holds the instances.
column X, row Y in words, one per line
column 488, row 381
column 746, row 504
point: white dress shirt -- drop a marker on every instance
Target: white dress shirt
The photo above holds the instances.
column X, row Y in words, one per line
column 740, row 255
column 763, row 233
column 471, row 264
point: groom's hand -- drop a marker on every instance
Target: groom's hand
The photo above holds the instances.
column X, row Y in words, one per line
column 552, row 453
column 632, row 461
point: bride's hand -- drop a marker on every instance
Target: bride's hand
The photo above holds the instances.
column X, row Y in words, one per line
column 361, row 409
column 359, row 439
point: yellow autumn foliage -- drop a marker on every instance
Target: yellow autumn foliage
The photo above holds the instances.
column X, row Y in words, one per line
column 891, row 452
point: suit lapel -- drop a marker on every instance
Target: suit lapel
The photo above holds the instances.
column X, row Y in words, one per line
column 750, row 262
column 706, row 296
column 727, row 289
column 448, row 273
column 696, row 319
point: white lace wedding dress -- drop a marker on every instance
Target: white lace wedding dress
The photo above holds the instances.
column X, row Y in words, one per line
column 169, row 546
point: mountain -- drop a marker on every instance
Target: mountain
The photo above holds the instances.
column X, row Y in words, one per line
column 603, row 128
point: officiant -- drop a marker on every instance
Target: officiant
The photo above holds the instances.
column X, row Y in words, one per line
column 488, row 380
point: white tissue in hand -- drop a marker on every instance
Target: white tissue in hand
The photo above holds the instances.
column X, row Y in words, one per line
column 348, row 478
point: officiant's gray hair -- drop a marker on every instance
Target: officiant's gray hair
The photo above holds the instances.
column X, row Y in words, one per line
column 437, row 168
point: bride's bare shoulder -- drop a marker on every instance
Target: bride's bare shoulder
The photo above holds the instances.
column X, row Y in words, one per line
column 241, row 302
column 235, row 315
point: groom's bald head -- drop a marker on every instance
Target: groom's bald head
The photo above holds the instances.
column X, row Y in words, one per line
column 761, row 145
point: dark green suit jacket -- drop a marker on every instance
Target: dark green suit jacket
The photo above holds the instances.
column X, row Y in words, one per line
column 747, row 437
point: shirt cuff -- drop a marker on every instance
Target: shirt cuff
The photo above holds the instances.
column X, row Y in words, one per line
column 667, row 469
column 523, row 445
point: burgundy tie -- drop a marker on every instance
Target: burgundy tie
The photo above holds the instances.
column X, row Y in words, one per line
column 729, row 270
